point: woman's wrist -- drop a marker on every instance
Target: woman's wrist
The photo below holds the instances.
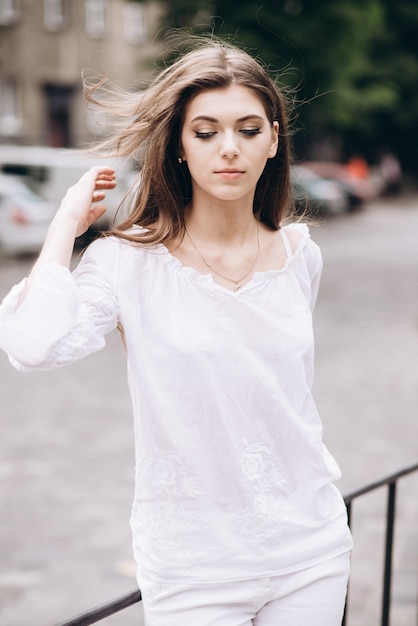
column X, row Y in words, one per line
column 63, row 222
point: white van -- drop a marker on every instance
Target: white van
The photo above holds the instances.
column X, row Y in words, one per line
column 51, row 171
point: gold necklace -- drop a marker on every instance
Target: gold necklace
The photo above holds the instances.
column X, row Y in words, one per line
column 236, row 282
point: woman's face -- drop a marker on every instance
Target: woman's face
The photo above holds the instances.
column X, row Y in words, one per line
column 226, row 140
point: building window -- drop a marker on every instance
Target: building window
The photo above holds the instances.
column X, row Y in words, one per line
column 135, row 23
column 54, row 15
column 9, row 12
column 96, row 18
column 59, row 105
column 10, row 119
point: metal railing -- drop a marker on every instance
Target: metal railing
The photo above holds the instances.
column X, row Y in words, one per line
column 103, row 611
column 391, row 483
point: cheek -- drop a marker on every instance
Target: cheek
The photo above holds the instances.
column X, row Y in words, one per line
column 198, row 172
column 194, row 161
column 196, row 154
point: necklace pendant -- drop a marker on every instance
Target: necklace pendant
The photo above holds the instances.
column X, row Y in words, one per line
column 237, row 286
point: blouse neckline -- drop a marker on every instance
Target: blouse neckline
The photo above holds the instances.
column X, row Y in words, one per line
column 257, row 277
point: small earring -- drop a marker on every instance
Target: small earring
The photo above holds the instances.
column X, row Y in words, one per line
column 180, row 160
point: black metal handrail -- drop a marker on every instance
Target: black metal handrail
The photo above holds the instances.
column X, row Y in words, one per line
column 391, row 482
column 104, row 610
column 114, row 606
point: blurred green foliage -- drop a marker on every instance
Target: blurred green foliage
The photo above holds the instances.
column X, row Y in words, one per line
column 353, row 63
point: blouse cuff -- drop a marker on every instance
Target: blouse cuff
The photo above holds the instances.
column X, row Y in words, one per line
column 47, row 314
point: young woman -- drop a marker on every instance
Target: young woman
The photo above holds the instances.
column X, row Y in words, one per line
column 236, row 519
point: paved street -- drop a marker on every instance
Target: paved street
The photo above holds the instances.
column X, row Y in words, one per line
column 66, row 451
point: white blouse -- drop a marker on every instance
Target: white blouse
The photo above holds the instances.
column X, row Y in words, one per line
column 232, row 478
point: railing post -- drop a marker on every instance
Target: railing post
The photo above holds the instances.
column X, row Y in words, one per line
column 387, row 576
column 344, row 622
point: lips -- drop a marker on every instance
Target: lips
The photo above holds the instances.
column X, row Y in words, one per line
column 228, row 174
column 229, row 171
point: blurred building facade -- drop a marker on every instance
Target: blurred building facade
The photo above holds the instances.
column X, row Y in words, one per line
column 45, row 45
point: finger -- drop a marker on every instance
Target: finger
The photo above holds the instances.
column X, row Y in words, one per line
column 98, row 173
column 103, row 171
column 105, row 184
column 98, row 196
column 106, row 177
column 96, row 211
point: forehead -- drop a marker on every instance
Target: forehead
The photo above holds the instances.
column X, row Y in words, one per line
column 236, row 99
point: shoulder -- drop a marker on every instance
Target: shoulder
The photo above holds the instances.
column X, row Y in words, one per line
column 100, row 260
column 302, row 244
column 307, row 258
column 117, row 255
column 297, row 233
column 108, row 245
column 299, row 236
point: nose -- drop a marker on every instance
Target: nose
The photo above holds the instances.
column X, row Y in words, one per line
column 229, row 148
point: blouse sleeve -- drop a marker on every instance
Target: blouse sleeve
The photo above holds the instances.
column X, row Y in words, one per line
column 65, row 315
column 310, row 267
column 314, row 264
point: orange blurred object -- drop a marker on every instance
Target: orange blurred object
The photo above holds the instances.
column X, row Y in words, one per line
column 358, row 167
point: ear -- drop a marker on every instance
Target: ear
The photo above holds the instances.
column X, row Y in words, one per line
column 274, row 140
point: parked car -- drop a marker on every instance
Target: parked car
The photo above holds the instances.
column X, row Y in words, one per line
column 315, row 194
column 51, row 171
column 24, row 217
column 359, row 190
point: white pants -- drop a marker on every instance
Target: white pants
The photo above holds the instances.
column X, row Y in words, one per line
column 311, row 597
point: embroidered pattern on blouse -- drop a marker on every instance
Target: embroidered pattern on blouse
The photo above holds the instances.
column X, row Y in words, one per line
column 161, row 513
column 164, row 473
column 270, row 509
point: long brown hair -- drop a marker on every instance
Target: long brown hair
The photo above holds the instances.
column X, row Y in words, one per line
column 151, row 126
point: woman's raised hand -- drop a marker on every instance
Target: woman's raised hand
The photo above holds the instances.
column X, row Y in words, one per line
column 82, row 204
column 80, row 207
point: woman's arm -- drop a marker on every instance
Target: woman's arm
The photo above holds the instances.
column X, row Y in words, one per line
column 50, row 319
column 79, row 209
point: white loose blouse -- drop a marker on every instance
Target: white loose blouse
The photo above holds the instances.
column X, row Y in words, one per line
column 233, row 480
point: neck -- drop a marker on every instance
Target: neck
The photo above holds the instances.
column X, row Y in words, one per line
column 225, row 224
column 237, row 282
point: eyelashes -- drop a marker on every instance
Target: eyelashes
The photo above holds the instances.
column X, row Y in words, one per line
column 247, row 132
column 200, row 135
column 250, row 132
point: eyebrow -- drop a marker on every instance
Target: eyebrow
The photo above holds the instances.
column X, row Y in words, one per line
column 208, row 118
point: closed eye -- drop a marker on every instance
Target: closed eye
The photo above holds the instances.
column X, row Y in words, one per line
column 250, row 132
column 204, row 135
